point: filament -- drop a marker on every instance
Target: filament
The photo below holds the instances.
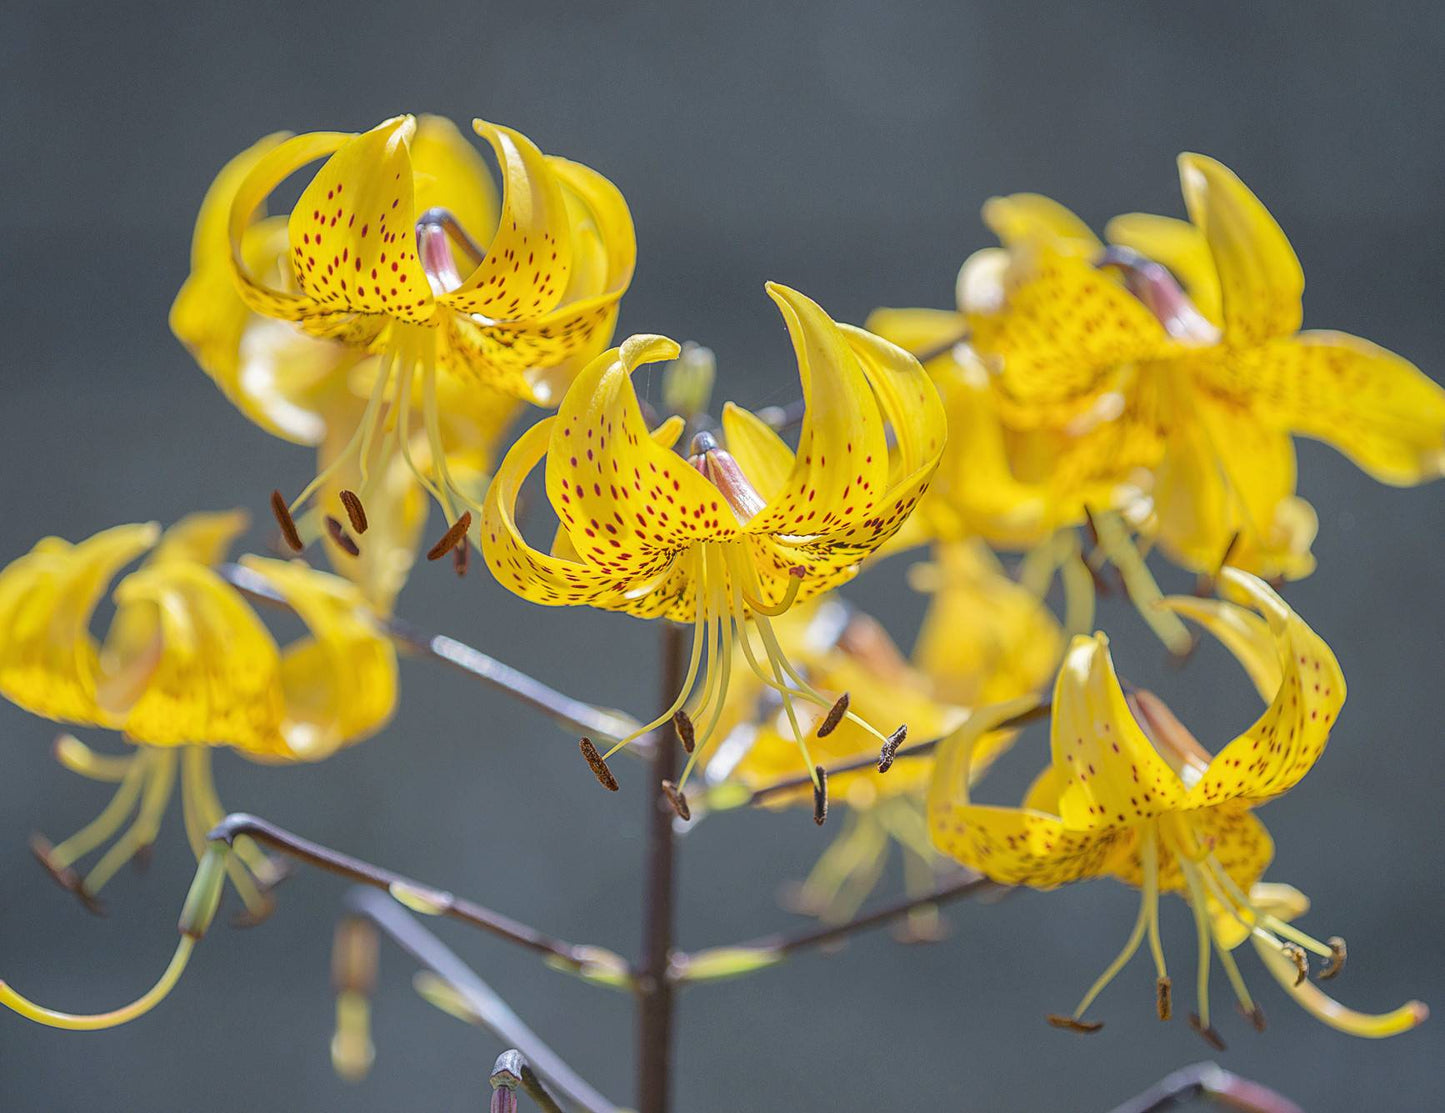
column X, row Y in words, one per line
column 1131, row 945
column 77, row 757
column 108, row 821
column 1201, row 926
column 160, row 780
column 203, row 809
column 1150, row 855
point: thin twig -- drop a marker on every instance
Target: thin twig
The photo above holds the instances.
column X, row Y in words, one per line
column 917, row 749
column 1208, row 1080
column 414, row 894
column 580, row 717
column 482, row 1001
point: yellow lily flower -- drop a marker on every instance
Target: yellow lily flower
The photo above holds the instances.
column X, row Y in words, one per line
column 396, row 249
column 185, row 666
column 314, row 391
column 1117, row 388
column 724, row 539
column 1130, row 794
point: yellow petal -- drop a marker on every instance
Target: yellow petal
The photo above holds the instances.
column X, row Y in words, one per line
column 340, row 683
column 529, row 261
column 1021, row 219
column 1180, row 246
column 49, row 661
column 215, row 678
column 1327, row 1010
column 763, row 456
column 451, row 174
column 555, row 580
column 918, row 330
column 1288, row 738
column 1017, row 847
column 1260, row 280
column 1112, row 772
column 1061, row 339
column 203, row 538
column 1378, row 409
column 1231, row 833
column 1227, row 482
column 353, row 229
column 1241, row 631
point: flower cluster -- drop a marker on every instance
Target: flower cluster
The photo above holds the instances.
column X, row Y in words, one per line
column 1087, row 399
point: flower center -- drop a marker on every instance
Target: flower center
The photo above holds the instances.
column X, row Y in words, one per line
column 721, row 469
column 437, row 231
column 1156, row 287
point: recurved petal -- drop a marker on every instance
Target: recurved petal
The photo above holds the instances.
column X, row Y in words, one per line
column 204, row 537
column 557, row 580
column 920, row 331
column 1240, row 630
column 340, row 682
column 353, row 230
column 1031, row 219
column 1180, row 246
column 1013, row 846
column 1287, row 739
column 761, row 454
column 529, row 261
column 451, row 174
column 1112, row 775
column 49, row 662
column 1260, row 280
column 214, row 670
column 1378, row 409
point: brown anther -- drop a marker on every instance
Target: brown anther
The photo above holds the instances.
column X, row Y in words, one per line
column 677, row 800
column 890, row 749
column 144, row 854
column 834, row 717
column 682, row 724
column 1301, row 962
column 1164, row 998
column 461, row 559
column 64, row 876
column 1336, row 962
column 599, row 767
column 1074, row 1024
column 1208, row 1035
column 820, row 795
column 457, row 533
column 255, row 917
column 341, row 537
column 1255, row 1016
column 354, row 510
column 286, row 522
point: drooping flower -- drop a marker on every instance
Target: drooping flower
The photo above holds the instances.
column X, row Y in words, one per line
column 396, row 251
column 1130, row 794
column 726, row 538
column 985, row 639
column 1113, row 386
column 186, row 665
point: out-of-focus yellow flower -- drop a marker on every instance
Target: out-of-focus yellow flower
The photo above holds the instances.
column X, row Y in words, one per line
column 186, row 665
column 1130, row 794
column 423, row 297
column 985, row 639
column 1107, row 381
column 724, row 539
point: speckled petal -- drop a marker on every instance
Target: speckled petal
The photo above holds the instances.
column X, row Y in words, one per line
column 1023, row 219
column 450, row 173
column 1181, row 247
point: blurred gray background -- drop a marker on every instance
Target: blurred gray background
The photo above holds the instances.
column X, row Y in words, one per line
column 843, row 148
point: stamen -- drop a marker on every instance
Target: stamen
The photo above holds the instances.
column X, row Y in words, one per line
column 354, row 510
column 461, row 558
column 677, row 799
column 77, row 757
column 599, row 767
column 1255, row 1015
column 1336, row 962
column 682, row 724
column 1207, row 1033
column 454, row 534
column 64, row 876
column 286, row 522
column 1300, row 960
column 890, row 749
column 1074, row 1024
column 795, row 581
column 353, row 977
column 1327, row 1010
column 834, row 717
column 160, row 779
column 1164, row 997
column 820, row 795
column 341, row 537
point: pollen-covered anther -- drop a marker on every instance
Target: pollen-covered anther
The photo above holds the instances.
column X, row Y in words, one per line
column 1164, row 998
column 454, row 536
column 355, row 512
column 1301, row 962
column 599, row 767
column 834, row 717
column 890, row 749
column 1255, row 1015
column 64, row 876
column 343, row 539
column 686, row 734
column 820, row 795
column 1336, row 962
column 287, row 523
column 1207, row 1034
column 1074, row 1024
column 677, row 799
